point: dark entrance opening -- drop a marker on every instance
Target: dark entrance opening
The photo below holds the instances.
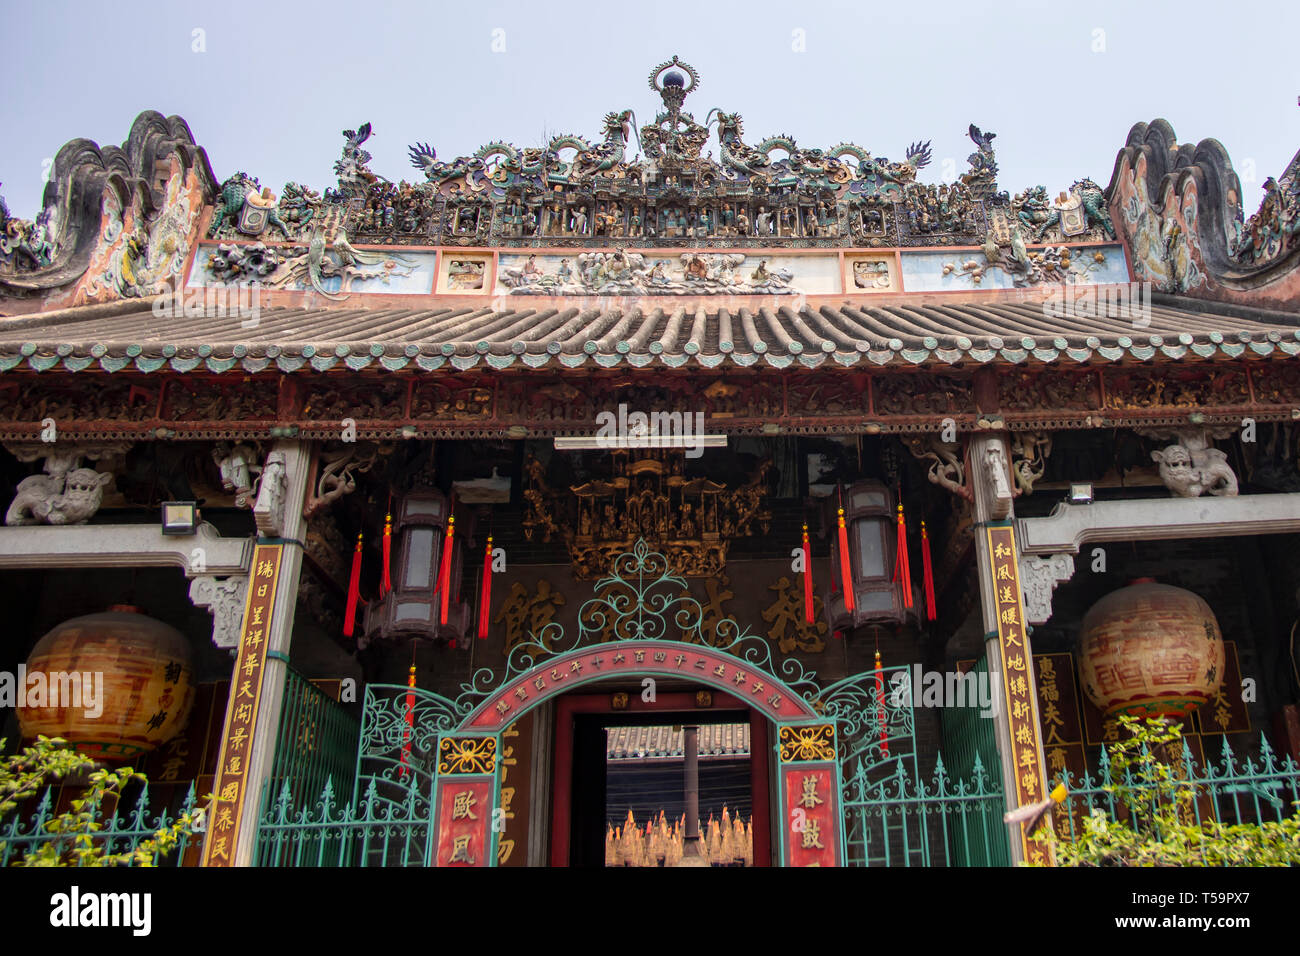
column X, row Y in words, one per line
column 628, row 790
column 586, row 797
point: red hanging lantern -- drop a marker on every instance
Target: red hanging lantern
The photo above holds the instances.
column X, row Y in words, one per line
column 928, row 571
column 444, row 571
column 386, row 582
column 846, row 570
column 485, row 593
column 807, row 579
column 354, row 591
column 902, row 570
column 881, row 713
column 409, row 729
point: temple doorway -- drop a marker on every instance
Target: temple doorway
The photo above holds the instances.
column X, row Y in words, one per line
column 620, row 780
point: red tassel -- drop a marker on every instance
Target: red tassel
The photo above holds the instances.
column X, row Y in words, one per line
column 444, row 570
column 807, row 579
column 846, row 570
column 927, row 569
column 354, row 591
column 880, row 713
column 386, row 582
column 410, row 716
column 485, row 593
column 902, row 570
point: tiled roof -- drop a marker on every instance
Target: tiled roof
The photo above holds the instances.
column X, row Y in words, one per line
column 930, row 332
column 649, row 743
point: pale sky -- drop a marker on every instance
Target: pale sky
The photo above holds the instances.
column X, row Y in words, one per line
column 274, row 84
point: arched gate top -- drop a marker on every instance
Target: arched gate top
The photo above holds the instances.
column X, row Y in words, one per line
column 638, row 658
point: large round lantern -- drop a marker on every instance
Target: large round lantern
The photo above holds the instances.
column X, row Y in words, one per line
column 114, row 685
column 1150, row 650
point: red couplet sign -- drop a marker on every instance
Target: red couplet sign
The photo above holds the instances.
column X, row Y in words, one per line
column 464, row 821
column 812, row 835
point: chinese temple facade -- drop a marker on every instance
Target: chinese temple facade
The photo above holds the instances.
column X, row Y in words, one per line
column 457, row 521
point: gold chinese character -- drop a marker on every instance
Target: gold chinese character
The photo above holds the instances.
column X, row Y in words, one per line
column 265, row 570
column 810, row 798
column 1029, row 781
column 462, row 805
column 460, row 849
column 812, row 830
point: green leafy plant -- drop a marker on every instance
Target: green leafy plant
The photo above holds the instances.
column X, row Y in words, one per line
column 76, row 835
column 1160, row 828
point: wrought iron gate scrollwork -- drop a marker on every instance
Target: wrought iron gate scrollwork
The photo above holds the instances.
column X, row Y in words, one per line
column 640, row 600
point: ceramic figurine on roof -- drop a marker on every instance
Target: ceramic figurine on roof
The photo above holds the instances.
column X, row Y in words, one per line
column 250, row 207
column 576, row 192
column 352, row 168
column 23, row 242
column 982, row 177
column 1276, row 226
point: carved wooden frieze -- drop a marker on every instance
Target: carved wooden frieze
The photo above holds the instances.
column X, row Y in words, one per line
column 481, row 404
column 1180, row 388
column 209, row 400
column 1277, row 384
column 80, row 401
column 922, row 393
column 455, row 400
column 1023, row 391
column 336, row 399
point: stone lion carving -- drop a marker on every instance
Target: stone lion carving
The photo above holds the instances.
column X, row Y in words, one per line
column 70, row 498
column 1190, row 467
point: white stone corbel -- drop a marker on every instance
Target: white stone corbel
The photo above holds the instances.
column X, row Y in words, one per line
column 268, row 511
column 1039, row 576
column 224, row 599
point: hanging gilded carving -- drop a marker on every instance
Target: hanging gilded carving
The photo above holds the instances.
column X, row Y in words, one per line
column 648, row 495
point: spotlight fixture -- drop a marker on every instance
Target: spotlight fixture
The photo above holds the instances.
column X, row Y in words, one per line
column 1081, row 493
column 180, row 517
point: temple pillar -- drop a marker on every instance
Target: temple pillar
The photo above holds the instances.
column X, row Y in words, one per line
column 1007, row 645
column 261, row 655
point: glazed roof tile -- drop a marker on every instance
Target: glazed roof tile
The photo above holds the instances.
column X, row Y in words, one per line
column 665, row 743
column 931, row 332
